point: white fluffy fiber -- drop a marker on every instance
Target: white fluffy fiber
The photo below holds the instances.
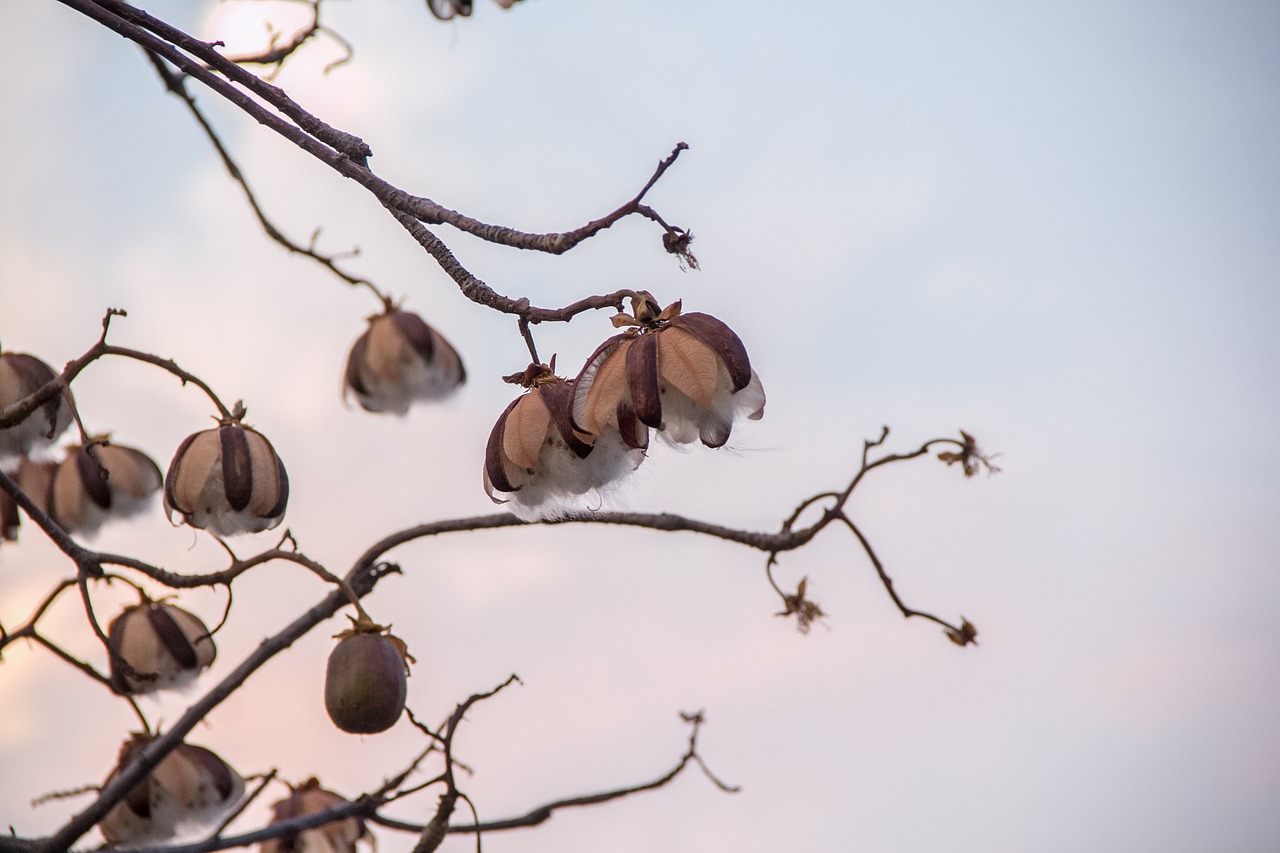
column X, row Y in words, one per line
column 684, row 421
column 564, row 485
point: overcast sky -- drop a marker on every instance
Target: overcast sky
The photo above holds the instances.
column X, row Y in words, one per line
column 1052, row 225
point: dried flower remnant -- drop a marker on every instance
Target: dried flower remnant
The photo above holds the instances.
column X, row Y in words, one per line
column 227, row 480
column 399, row 360
column 337, row 836
column 190, row 787
column 965, row 636
column 805, row 610
column 20, row 376
column 971, row 459
column 365, row 683
column 84, row 495
column 163, row 646
column 686, row 375
column 540, row 465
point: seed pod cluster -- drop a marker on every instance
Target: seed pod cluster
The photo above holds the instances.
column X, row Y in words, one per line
column 86, row 491
column 564, row 445
column 227, row 480
column 541, row 465
column 20, row 376
column 163, row 645
column 365, row 684
column 400, row 360
column 337, row 836
column 190, row 787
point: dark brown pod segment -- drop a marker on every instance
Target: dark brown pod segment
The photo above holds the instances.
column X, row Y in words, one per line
column 723, row 341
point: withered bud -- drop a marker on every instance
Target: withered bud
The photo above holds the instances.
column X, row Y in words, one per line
column 190, row 787
column 20, row 376
column 971, row 459
column 365, row 682
column 686, row 375
column 87, row 491
column 338, row 836
column 965, row 636
column 163, row 645
column 228, row 480
column 399, row 360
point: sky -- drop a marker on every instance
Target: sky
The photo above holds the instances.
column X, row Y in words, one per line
column 1050, row 225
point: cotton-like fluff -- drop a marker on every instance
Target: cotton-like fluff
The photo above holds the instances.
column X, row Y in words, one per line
column 82, row 497
column 543, row 468
column 227, row 480
column 163, row 645
column 336, row 836
column 686, row 375
column 20, row 376
column 400, row 360
column 190, row 788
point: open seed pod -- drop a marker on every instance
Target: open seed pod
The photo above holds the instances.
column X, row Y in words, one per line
column 35, row 478
column 685, row 375
column 227, row 480
column 20, row 376
column 83, row 497
column 190, row 787
column 365, row 681
column 539, row 464
column 338, row 836
column 165, row 645
column 400, row 360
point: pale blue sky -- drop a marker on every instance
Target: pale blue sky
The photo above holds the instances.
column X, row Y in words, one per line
column 1050, row 224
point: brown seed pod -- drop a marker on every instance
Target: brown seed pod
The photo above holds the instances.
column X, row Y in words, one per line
column 82, row 497
column 35, row 478
column 686, row 375
column 191, row 786
column 164, row 645
column 539, row 464
column 338, row 836
column 228, row 480
column 365, row 682
column 399, row 360
column 9, row 519
column 20, row 376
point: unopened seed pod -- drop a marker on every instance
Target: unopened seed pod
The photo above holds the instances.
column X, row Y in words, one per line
column 20, row 376
column 190, row 787
column 365, row 681
column 399, row 360
column 165, row 647
column 337, row 836
column 86, row 492
column 227, row 480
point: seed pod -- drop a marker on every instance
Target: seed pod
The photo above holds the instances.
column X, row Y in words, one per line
column 540, row 464
column 365, row 681
column 35, row 477
column 9, row 519
column 83, row 498
column 685, row 375
column 165, row 645
column 227, row 480
column 191, row 786
column 398, row 360
column 20, row 376
column 337, row 836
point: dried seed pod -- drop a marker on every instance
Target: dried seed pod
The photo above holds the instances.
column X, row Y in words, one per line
column 365, row 681
column 9, row 519
column 35, row 477
column 164, row 645
column 337, row 836
column 446, row 9
column 191, row 786
column 228, row 480
column 539, row 464
column 83, row 497
column 398, row 360
column 20, row 376
column 685, row 375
